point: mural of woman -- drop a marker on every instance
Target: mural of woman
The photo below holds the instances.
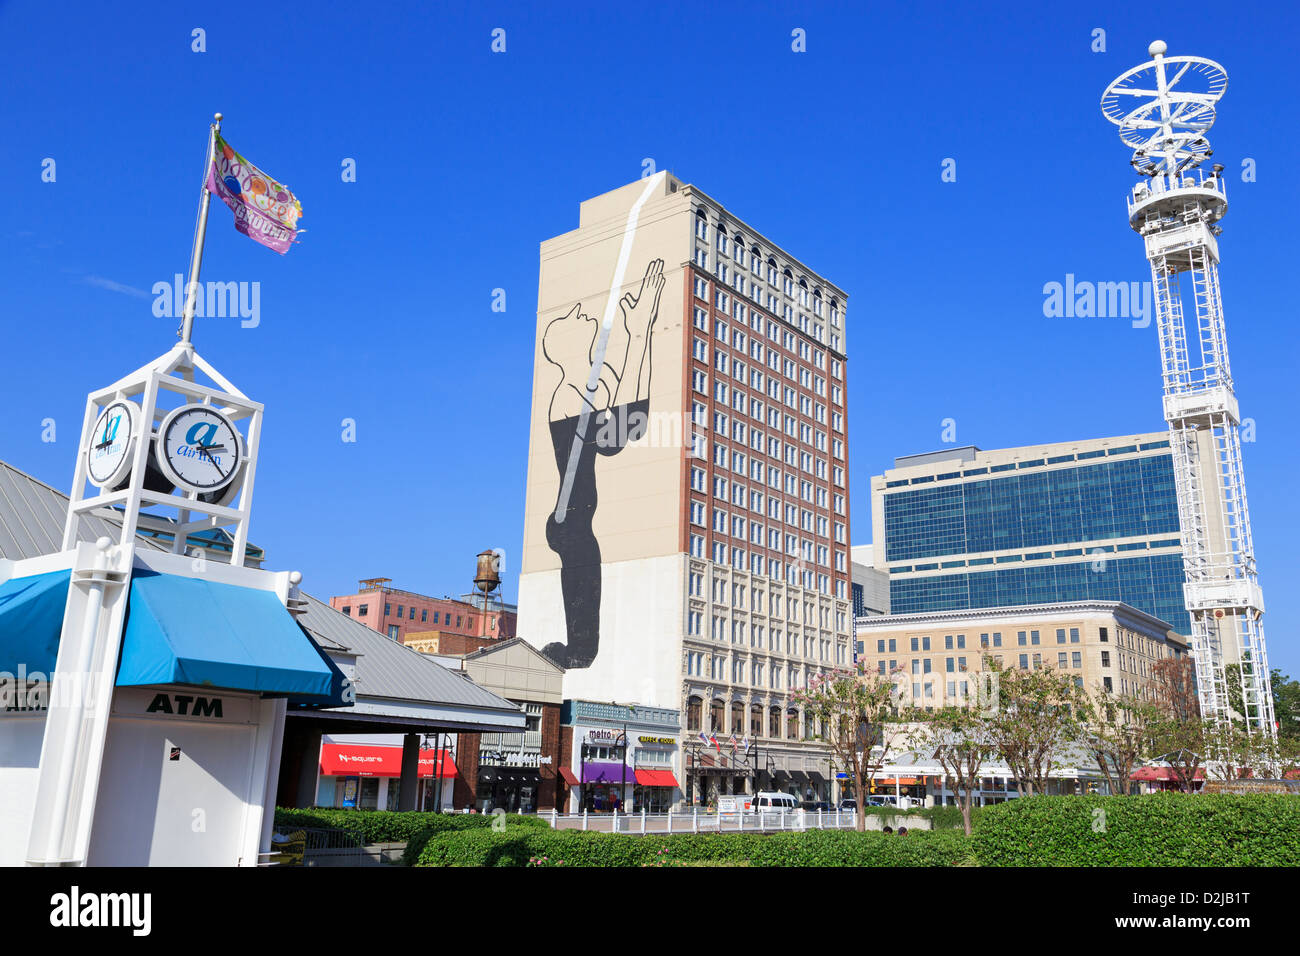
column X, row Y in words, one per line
column 600, row 404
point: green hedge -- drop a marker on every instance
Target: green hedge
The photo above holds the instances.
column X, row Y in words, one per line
column 1155, row 830
column 390, row 826
column 812, row 848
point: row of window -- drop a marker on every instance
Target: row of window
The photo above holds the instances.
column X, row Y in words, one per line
column 780, row 298
column 781, row 722
column 793, row 572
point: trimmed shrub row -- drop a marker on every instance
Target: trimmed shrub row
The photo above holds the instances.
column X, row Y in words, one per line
column 390, row 826
column 812, row 848
column 1156, row 830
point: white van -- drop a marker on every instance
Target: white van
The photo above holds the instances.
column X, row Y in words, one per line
column 769, row 801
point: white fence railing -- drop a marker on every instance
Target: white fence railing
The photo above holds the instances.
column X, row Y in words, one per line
column 703, row 821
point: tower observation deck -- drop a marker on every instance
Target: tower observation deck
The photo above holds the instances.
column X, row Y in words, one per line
column 1163, row 109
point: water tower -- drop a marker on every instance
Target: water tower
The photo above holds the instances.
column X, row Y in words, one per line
column 487, row 578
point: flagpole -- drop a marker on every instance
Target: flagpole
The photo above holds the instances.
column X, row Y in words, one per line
column 196, row 255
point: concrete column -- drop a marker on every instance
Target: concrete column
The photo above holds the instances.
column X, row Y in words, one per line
column 308, row 768
column 410, row 772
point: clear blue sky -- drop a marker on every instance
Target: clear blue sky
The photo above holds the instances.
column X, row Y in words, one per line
column 467, row 159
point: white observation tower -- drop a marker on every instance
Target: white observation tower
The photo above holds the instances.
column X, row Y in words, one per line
column 1163, row 109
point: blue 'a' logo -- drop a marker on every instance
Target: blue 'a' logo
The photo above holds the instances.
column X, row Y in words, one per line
column 203, row 433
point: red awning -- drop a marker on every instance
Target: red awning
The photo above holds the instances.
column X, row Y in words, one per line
column 656, row 778
column 1162, row 773
column 370, row 760
column 569, row 776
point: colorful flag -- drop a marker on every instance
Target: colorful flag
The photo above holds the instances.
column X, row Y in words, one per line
column 704, row 738
column 734, row 743
column 714, row 740
column 265, row 210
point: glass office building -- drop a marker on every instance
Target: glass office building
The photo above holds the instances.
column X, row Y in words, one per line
column 1091, row 520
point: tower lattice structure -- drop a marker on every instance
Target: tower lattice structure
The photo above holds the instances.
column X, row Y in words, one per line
column 1163, row 109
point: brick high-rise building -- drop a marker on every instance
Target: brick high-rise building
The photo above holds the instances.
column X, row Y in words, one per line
column 686, row 538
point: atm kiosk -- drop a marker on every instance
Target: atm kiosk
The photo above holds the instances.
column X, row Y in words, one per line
column 144, row 688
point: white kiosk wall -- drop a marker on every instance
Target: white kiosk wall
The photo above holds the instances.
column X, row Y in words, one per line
column 180, row 782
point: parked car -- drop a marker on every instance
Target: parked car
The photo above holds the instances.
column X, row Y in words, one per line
column 848, row 803
column 767, row 801
column 814, row 805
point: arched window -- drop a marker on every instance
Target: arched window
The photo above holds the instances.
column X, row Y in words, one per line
column 737, row 717
column 792, row 723
column 774, row 722
column 756, row 720
column 694, row 707
column 717, row 715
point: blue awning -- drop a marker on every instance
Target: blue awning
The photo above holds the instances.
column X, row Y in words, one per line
column 31, row 621
column 192, row 631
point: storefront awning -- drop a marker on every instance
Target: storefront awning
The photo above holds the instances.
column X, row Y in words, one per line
column 570, row 777
column 367, row 760
column 816, row 776
column 192, row 631
column 178, row 630
column 798, row 776
column 31, row 621
column 607, row 773
column 656, row 778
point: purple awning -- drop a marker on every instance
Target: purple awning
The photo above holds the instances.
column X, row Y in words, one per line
column 607, row 773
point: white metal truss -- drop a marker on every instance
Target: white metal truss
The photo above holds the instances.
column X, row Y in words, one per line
column 1163, row 109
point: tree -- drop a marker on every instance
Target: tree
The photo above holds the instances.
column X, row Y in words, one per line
column 961, row 740
column 1173, row 687
column 1036, row 713
column 1119, row 736
column 1286, row 704
column 852, row 710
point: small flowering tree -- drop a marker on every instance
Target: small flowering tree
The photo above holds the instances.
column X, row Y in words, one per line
column 851, row 709
column 961, row 740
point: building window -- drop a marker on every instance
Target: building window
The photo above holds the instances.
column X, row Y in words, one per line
column 694, row 706
column 792, row 724
column 363, row 610
column 347, row 609
column 717, row 716
column 424, row 615
column 392, row 632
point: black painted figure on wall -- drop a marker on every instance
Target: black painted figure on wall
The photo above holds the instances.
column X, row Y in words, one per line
column 601, row 404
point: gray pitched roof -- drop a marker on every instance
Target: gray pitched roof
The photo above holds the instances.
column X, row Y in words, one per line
column 32, row 515
column 386, row 668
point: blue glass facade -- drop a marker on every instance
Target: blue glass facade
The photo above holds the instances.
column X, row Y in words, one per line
column 1151, row 583
column 1112, row 499
column 1037, row 507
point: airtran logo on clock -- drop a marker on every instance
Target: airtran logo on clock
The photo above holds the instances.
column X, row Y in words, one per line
column 198, row 440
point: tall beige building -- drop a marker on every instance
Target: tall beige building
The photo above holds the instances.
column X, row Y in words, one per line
column 686, row 533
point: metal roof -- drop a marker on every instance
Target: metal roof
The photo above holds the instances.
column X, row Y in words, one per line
column 32, row 515
column 386, row 668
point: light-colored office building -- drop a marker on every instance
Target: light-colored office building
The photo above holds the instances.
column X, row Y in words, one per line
column 870, row 584
column 1089, row 520
column 1104, row 645
column 686, row 526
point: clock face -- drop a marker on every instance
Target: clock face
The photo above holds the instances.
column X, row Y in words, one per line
column 108, row 452
column 199, row 448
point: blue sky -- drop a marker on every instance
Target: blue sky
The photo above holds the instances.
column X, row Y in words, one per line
column 467, row 159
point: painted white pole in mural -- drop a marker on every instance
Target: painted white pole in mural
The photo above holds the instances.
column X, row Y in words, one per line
column 602, row 343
